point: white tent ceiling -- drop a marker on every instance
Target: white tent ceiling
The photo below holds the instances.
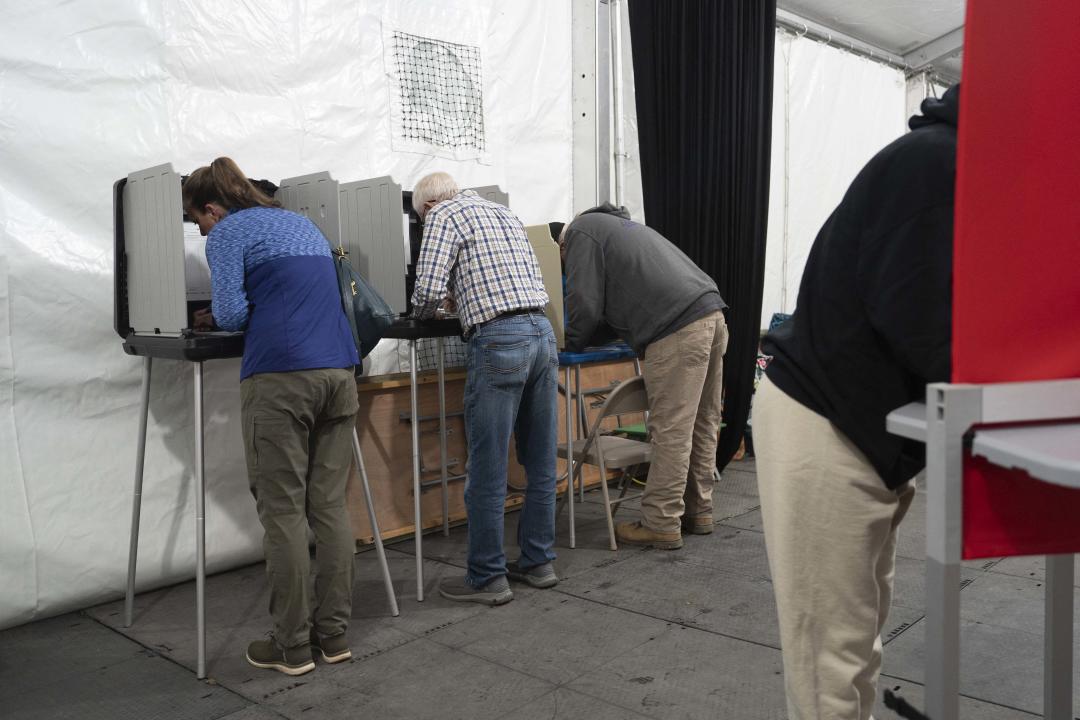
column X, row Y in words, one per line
column 917, row 34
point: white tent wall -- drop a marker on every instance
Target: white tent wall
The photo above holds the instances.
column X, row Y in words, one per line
column 832, row 111
column 92, row 91
column 626, row 164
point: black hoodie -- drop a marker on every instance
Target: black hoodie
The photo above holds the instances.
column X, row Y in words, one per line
column 873, row 322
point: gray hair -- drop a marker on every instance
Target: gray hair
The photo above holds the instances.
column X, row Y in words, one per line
column 436, row 187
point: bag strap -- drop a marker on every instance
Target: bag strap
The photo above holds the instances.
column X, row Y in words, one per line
column 348, row 292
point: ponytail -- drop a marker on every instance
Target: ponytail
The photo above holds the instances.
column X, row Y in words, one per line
column 223, row 183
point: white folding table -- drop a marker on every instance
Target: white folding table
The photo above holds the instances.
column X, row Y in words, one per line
column 1048, row 452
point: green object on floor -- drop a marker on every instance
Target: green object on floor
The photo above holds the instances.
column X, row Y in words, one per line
column 634, row 432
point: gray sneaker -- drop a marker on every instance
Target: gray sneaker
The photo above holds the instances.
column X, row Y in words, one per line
column 496, row 592
column 291, row 661
column 333, row 648
column 539, row 576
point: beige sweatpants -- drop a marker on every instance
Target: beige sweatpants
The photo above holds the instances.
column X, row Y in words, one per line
column 684, row 378
column 830, row 532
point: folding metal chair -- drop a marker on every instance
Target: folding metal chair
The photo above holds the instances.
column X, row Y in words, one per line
column 613, row 452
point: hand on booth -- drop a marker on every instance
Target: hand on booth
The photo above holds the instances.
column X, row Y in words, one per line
column 203, row 319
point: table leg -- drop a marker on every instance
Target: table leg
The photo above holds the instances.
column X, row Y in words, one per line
column 200, row 526
column 1058, row 638
column 950, row 412
column 417, row 520
column 570, row 457
column 388, row 582
column 442, row 440
column 136, row 505
column 583, row 421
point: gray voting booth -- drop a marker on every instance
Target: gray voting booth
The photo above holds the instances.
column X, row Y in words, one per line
column 373, row 220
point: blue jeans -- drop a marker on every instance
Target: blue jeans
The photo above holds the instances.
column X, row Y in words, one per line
column 511, row 386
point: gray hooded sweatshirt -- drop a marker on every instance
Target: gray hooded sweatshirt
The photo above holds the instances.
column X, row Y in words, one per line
column 629, row 278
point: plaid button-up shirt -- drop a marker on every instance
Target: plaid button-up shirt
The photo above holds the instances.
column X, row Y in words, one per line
column 476, row 251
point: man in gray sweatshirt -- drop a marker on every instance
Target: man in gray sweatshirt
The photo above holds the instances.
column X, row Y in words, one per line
column 625, row 278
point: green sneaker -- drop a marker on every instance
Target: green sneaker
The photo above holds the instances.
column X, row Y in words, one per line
column 333, row 649
column 291, row 661
column 496, row 592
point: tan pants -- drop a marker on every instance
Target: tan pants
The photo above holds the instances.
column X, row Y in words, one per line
column 684, row 375
column 298, row 445
column 830, row 532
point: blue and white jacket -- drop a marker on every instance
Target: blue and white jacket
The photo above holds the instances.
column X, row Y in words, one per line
column 273, row 276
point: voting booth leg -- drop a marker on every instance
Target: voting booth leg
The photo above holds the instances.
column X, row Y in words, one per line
column 583, row 420
column 1058, row 638
column 442, row 440
column 200, row 526
column 387, row 580
column 415, row 423
column 136, row 504
column 950, row 412
column 570, row 457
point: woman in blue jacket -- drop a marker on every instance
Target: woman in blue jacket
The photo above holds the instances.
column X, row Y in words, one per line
column 273, row 277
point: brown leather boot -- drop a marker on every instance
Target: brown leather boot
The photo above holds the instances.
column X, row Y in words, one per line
column 697, row 524
column 634, row 533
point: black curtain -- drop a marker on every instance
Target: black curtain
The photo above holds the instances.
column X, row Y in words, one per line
column 703, row 72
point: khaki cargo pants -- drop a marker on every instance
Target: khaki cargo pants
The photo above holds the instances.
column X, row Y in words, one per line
column 684, row 378
column 298, row 444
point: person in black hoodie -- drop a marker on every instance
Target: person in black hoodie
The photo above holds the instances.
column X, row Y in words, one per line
column 872, row 326
column 626, row 278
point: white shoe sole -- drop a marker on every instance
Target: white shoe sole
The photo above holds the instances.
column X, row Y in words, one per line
column 283, row 668
column 331, row 659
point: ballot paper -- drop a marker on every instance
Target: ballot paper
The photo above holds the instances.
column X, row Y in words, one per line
column 196, row 269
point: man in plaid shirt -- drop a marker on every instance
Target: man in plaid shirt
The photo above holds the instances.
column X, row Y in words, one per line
column 476, row 258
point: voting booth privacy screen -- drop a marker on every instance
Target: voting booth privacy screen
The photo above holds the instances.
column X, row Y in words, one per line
column 287, row 89
column 1017, row 250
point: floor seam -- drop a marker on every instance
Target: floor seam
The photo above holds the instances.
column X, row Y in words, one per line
column 963, row 695
column 669, row 620
column 903, row 629
column 174, row 661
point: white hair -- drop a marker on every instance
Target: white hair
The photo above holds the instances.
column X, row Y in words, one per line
column 436, row 187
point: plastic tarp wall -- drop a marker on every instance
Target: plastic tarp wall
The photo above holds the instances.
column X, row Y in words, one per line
column 626, row 166
column 92, row 91
column 832, row 111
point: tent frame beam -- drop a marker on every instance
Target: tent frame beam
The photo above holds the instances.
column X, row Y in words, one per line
column 919, row 60
column 938, row 49
column 805, row 26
